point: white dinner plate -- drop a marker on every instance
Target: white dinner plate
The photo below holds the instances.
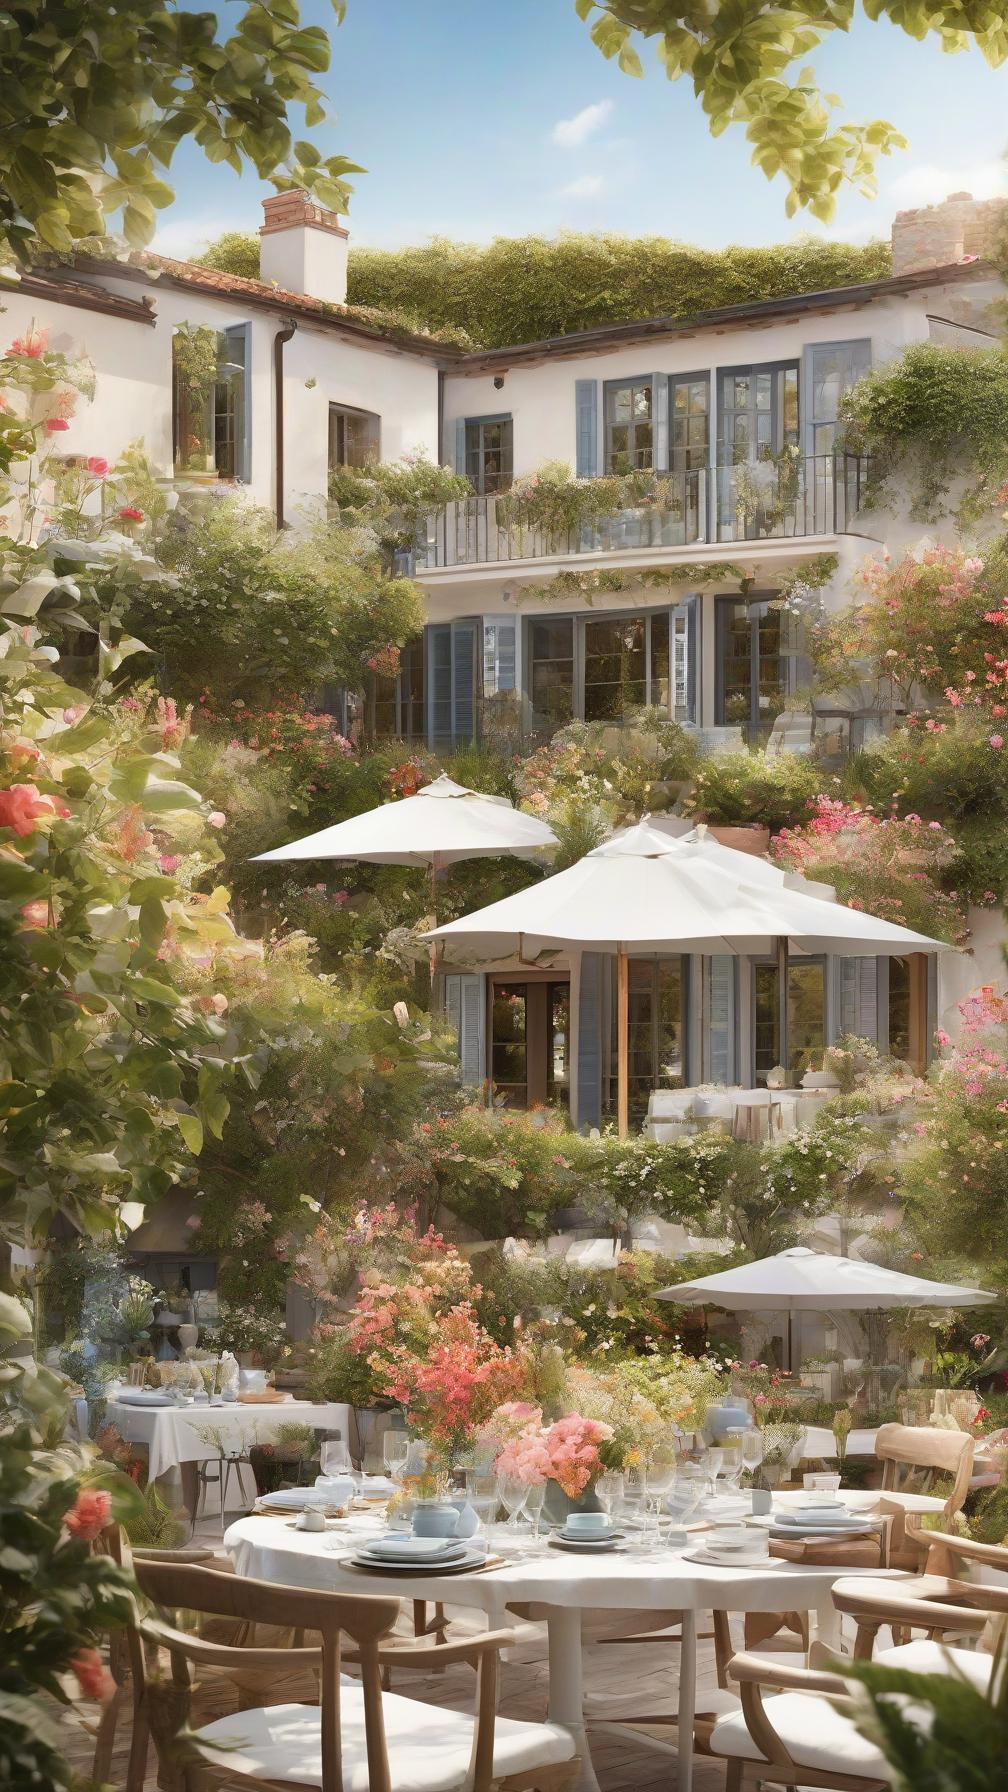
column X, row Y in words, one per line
column 143, row 1397
column 294, row 1499
column 591, row 1545
column 470, row 1558
column 792, row 1534
column 734, row 1560
column 414, row 1549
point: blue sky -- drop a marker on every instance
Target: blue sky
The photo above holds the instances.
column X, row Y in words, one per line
column 476, row 120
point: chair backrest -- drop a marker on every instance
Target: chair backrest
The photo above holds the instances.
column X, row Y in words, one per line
column 931, row 1449
column 365, row 1620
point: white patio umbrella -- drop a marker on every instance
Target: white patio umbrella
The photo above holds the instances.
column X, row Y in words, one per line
column 646, row 891
column 800, row 1280
column 442, row 824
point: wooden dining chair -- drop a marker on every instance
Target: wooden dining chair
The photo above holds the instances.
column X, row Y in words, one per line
column 939, row 1608
column 114, row 1542
column 803, row 1732
column 912, row 1458
column 356, row 1733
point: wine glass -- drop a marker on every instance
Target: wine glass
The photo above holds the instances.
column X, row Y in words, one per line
column 481, row 1493
column 713, row 1457
column 513, row 1495
column 535, row 1499
column 609, row 1493
column 395, row 1449
column 752, row 1450
column 661, row 1478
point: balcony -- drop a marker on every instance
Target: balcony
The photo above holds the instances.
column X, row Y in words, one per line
column 750, row 501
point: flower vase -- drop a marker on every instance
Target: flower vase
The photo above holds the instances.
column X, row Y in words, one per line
column 558, row 1505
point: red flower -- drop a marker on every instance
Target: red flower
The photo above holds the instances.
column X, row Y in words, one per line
column 35, row 914
column 93, row 1676
column 130, row 514
column 54, row 423
column 89, row 1514
column 97, row 465
column 21, row 805
column 34, row 344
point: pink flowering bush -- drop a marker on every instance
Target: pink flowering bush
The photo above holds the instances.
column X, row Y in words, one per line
column 884, row 865
column 955, row 1180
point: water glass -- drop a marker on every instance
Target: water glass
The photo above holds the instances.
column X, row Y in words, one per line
column 633, row 1506
column 334, row 1457
column 481, row 1492
column 395, row 1449
column 731, row 1460
column 609, row 1493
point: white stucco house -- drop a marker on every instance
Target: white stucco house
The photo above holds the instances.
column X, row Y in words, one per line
column 735, row 410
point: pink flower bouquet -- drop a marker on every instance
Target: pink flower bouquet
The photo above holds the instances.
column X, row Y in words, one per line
column 566, row 1452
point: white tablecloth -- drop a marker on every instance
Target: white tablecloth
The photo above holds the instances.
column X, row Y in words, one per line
column 558, row 1586
column 177, row 1434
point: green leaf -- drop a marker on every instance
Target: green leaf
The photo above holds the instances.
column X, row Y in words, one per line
column 191, row 1128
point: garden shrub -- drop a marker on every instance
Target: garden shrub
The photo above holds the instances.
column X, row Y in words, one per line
column 738, row 788
column 249, row 615
column 618, row 774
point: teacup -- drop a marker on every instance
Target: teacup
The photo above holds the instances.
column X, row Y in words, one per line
column 587, row 1524
column 435, row 1519
column 311, row 1519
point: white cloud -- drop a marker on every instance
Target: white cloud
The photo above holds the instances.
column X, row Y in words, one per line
column 927, row 184
column 570, row 133
column 587, row 186
column 181, row 237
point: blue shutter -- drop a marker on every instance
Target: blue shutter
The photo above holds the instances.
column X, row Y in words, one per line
column 659, row 422
column 460, row 428
column 463, row 682
column 586, row 428
column 858, row 1005
column 439, row 685
column 500, row 655
column 472, row 1010
column 721, row 1018
column 589, row 1058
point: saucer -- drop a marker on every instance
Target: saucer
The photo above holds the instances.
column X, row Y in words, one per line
column 611, row 1540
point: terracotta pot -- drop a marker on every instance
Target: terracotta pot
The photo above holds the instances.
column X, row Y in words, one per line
column 752, row 839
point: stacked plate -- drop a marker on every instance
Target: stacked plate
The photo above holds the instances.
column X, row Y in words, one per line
column 143, row 1397
column 428, row 1555
column 295, row 1499
column 824, row 1519
column 609, row 1538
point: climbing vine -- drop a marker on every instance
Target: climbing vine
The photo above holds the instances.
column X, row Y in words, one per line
column 936, row 414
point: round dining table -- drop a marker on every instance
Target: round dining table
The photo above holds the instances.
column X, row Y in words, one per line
column 554, row 1586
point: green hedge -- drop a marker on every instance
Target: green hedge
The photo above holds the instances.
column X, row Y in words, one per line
column 521, row 289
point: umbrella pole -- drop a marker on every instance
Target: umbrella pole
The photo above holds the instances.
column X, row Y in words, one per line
column 790, row 1342
column 782, row 1002
column 622, row 1043
column 433, row 950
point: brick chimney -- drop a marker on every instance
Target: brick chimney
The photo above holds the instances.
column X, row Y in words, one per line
column 303, row 247
column 961, row 228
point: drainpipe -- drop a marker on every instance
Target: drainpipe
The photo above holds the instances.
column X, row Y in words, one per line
column 440, row 416
column 282, row 336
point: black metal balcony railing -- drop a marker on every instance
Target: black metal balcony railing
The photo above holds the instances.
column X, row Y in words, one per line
column 745, row 501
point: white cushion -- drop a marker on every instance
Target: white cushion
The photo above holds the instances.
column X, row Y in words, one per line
column 814, row 1734
column 926, row 1657
column 429, row 1749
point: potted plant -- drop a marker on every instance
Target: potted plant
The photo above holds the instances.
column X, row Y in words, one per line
column 291, row 1454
